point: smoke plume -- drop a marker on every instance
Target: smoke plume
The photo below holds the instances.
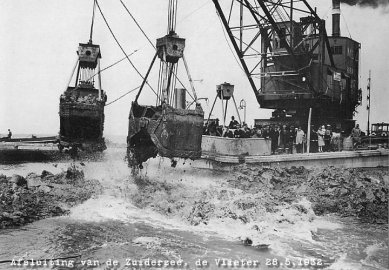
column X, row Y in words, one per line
column 367, row 3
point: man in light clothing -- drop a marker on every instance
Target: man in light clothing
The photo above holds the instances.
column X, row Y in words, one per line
column 356, row 134
column 300, row 135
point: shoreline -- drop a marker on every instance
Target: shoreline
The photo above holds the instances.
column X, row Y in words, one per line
column 35, row 197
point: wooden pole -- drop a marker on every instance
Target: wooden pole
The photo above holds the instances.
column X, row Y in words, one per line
column 223, row 112
column 309, row 130
column 237, row 111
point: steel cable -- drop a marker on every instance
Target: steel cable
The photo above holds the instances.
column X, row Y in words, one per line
column 121, row 48
column 133, row 18
column 125, row 94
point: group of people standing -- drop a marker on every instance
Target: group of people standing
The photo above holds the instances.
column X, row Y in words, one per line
column 285, row 139
column 233, row 130
column 324, row 136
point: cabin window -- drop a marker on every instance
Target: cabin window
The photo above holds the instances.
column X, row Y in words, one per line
column 337, row 50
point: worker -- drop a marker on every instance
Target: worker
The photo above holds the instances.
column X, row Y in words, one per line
column 320, row 138
column 258, row 132
column 9, row 134
column 356, row 134
column 300, row 137
column 239, row 132
column 282, row 140
column 219, row 129
column 228, row 133
column 212, row 128
column 266, row 132
column 291, row 139
column 336, row 140
column 327, row 138
column 286, row 140
column 246, row 131
column 314, row 140
column 274, row 134
column 233, row 123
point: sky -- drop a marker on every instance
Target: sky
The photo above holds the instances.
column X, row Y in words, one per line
column 40, row 39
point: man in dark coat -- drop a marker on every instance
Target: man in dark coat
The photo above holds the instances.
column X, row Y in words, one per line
column 286, row 138
column 327, row 138
column 292, row 137
column 283, row 139
column 266, row 132
column 233, row 123
column 274, row 134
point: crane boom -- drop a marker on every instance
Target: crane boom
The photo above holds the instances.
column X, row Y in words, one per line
column 290, row 61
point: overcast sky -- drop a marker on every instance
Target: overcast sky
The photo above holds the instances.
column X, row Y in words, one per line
column 39, row 39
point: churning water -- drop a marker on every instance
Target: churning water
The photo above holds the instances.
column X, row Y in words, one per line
column 111, row 228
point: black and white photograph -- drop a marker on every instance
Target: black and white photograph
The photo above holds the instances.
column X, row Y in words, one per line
column 181, row 134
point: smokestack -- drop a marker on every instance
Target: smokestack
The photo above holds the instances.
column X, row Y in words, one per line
column 180, row 98
column 336, row 18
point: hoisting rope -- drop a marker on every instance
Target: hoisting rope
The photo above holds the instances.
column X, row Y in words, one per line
column 172, row 25
column 149, row 40
column 172, row 17
column 194, row 11
column 71, row 75
column 122, row 96
column 133, row 18
column 228, row 43
column 117, row 62
column 189, row 78
column 121, row 48
column 100, row 71
column 93, row 20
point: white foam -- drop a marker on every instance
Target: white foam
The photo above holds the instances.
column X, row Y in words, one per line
column 116, row 204
column 342, row 263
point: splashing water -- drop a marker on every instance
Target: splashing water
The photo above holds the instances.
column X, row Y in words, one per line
column 180, row 214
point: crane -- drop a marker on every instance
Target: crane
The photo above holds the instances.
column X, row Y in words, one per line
column 290, row 61
column 170, row 128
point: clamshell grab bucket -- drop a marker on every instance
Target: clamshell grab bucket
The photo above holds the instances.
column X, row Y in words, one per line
column 82, row 118
column 164, row 130
column 81, row 108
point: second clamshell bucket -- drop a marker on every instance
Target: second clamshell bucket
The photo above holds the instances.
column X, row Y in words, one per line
column 164, row 130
